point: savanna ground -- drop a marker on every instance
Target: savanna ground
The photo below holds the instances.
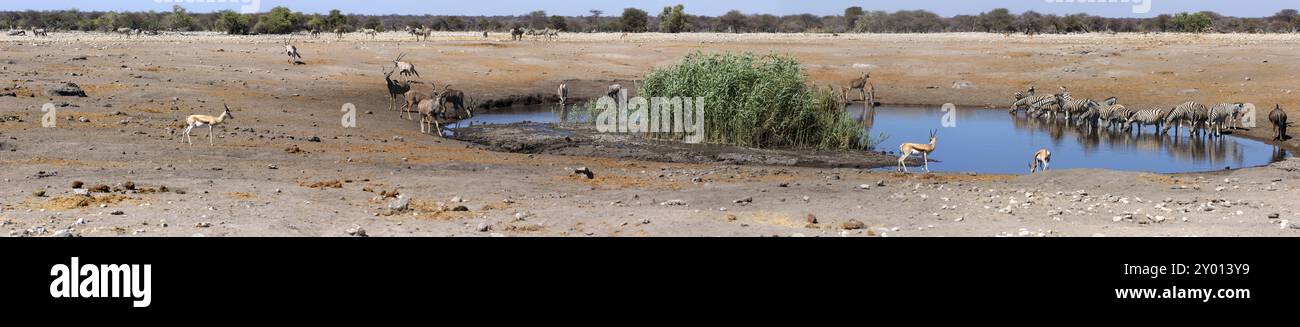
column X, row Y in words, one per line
column 284, row 166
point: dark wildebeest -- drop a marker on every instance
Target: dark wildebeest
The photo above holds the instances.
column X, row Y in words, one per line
column 1278, row 118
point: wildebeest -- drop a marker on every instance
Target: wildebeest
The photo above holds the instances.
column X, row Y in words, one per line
column 1278, row 118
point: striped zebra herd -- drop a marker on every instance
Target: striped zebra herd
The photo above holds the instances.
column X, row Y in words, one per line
column 1200, row 119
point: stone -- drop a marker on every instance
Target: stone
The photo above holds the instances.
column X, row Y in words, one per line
column 400, row 204
column 853, row 224
column 483, row 227
column 356, row 231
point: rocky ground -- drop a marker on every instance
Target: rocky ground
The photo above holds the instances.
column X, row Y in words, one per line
column 285, row 166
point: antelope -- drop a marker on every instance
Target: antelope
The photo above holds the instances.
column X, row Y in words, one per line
column 404, row 68
column 40, row 32
column 292, row 51
column 860, row 84
column 1278, row 118
column 908, row 149
column 1042, row 158
column 563, row 92
column 205, row 120
column 418, row 32
column 429, row 109
column 457, row 100
column 413, row 98
column 395, row 89
column 617, row 92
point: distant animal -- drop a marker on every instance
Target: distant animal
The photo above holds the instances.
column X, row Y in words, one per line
column 395, row 89
column 40, row 32
column 516, row 34
column 1192, row 113
column 617, row 92
column 1143, row 117
column 860, row 84
column 1278, row 118
column 419, row 32
column 315, row 33
column 204, row 120
column 457, row 100
column 370, row 32
column 563, row 92
column 292, row 51
column 909, row 149
column 1042, row 160
column 1073, row 107
column 338, row 32
column 485, row 34
column 17, row 33
column 404, row 68
column 1221, row 115
column 124, row 31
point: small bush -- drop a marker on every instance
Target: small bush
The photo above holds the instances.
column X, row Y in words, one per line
column 758, row 101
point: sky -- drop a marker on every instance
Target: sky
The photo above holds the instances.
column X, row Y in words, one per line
column 1123, row 8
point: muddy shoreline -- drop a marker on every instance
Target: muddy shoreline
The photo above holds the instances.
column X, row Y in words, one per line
column 575, row 141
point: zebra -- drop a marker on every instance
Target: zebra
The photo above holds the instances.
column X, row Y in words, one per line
column 1222, row 114
column 1071, row 106
column 1143, row 117
column 1192, row 112
column 1115, row 115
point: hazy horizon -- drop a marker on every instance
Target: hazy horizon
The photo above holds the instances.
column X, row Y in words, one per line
column 1126, row 8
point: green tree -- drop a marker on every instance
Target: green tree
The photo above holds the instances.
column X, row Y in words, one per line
column 1191, row 23
column 374, row 23
column 231, row 22
column 734, row 21
column 279, row 21
column 538, row 19
column 560, row 23
column 179, row 19
column 635, row 20
column 335, row 20
column 851, row 15
column 673, row 19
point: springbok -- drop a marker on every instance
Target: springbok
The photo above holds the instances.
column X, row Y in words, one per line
column 563, row 92
column 205, row 120
column 1043, row 159
column 908, row 149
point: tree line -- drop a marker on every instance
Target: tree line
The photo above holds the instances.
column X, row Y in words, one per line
column 673, row 19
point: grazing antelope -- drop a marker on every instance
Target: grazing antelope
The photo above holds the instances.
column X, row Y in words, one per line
column 205, row 120
column 1278, row 118
column 860, row 84
column 457, row 100
column 1043, row 159
column 563, row 92
column 404, row 68
column 292, row 51
column 395, row 89
column 909, row 149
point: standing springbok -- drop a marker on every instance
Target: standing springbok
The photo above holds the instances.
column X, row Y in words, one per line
column 205, row 120
column 395, row 89
column 563, row 92
column 1043, row 159
column 292, row 51
column 404, row 68
column 909, row 149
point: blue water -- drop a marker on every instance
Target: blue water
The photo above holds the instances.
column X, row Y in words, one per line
column 992, row 141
